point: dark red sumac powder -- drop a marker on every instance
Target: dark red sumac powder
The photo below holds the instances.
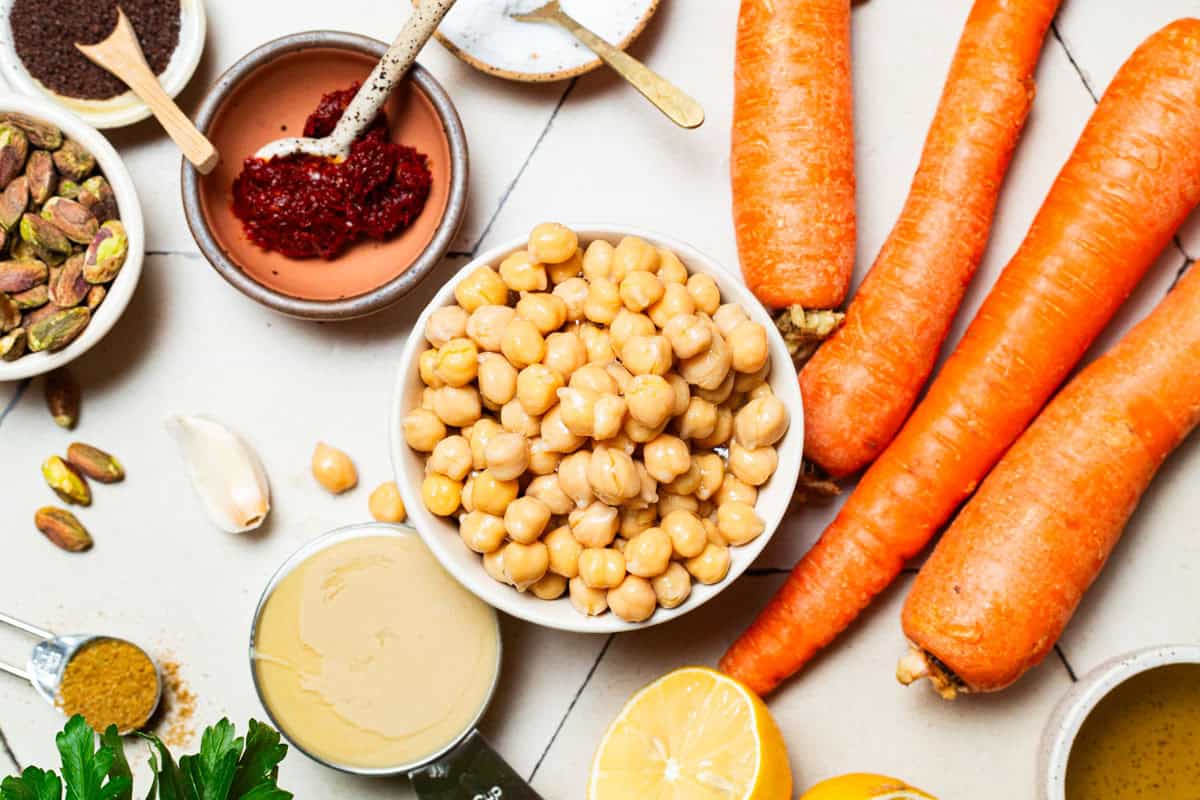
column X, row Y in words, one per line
column 305, row 206
column 45, row 33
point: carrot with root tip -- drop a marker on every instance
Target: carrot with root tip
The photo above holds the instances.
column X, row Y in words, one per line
column 1130, row 182
column 1006, row 577
column 863, row 381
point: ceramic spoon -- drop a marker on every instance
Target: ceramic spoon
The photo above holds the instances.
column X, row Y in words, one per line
column 374, row 92
column 50, row 657
column 121, row 55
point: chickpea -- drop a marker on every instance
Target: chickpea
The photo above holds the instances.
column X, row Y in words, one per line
column 712, row 475
column 728, row 317
column 722, row 431
column 634, row 254
column 442, row 494
column 552, row 243
column 598, row 260
column 386, row 504
column 516, row 419
column 671, row 503
column 640, row 290
column 493, row 565
column 468, row 495
column 647, row 496
column 603, row 301
column 675, row 302
column 545, row 311
column 487, row 325
column 526, row 519
column 543, row 460
column 720, row 394
column 427, row 395
column 670, row 268
column 623, row 443
column 705, row 293
column 753, row 381
column 621, row 375
column 481, row 532
column 683, row 393
column 738, row 523
column 565, row 353
column 648, row 355
column 522, row 274
column 673, row 587
column 686, row 531
column 444, row 324
column 506, row 456
column 596, row 525
column 626, row 324
column 689, row 481
column 483, row 287
column 688, row 335
column 636, row 520
column 612, row 476
column 748, row 345
column 525, row 564
column 608, row 416
column 708, row 369
column 649, row 553
column 427, row 367
column 761, row 390
column 547, row 489
column 650, row 400
column 598, row 344
column 666, row 458
column 578, row 410
column 537, row 387
column 601, row 567
column 586, row 600
column 573, row 477
column 492, row 495
column 481, row 433
column 457, row 362
column 594, row 378
column 556, row 434
column 457, row 406
column 550, row 587
column 497, row 379
column 634, row 600
column 639, row 433
column 711, row 566
column 761, row 422
column 565, row 270
column 735, row 490
column 573, row 292
column 522, row 343
column 699, row 420
column 754, row 467
column 423, row 429
column 564, row 551
column 713, row 532
column 451, row 457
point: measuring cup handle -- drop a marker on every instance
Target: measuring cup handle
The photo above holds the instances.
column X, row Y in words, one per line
column 471, row 771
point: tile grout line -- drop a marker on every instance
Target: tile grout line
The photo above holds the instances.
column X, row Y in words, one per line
column 571, row 707
column 16, row 398
column 9, row 751
column 1063, row 658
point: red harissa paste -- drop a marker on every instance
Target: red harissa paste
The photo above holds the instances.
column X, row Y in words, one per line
column 305, row 206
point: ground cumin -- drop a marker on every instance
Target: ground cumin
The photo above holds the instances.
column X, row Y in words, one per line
column 110, row 682
column 176, row 726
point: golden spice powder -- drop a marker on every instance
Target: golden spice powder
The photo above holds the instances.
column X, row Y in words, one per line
column 109, row 682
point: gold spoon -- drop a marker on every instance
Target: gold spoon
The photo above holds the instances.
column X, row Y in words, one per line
column 666, row 96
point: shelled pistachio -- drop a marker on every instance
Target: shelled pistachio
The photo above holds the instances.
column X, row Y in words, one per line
column 41, row 176
column 66, row 481
column 63, row 397
column 12, row 345
column 41, row 134
column 95, row 463
column 63, row 529
column 73, row 161
column 57, row 331
column 14, row 149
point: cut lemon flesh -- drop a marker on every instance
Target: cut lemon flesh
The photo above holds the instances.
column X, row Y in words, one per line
column 861, row 786
column 694, row 734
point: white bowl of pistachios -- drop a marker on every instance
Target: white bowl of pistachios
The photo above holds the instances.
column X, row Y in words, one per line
column 596, row 429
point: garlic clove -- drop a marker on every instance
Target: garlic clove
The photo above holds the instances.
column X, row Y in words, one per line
column 225, row 472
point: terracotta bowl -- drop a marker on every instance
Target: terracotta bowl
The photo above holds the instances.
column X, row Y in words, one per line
column 268, row 94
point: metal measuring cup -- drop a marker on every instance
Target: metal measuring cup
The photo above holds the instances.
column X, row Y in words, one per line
column 49, row 659
column 467, row 768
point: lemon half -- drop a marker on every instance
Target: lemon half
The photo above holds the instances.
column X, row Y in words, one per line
column 861, row 786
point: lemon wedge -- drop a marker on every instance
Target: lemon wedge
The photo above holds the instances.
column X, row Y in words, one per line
column 693, row 734
column 861, row 786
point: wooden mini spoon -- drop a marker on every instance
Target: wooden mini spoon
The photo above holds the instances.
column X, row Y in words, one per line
column 122, row 55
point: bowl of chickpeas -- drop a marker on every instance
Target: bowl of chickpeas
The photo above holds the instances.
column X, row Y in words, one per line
column 596, row 429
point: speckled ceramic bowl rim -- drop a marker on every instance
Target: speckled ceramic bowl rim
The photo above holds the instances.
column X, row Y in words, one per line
column 380, row 297
column 1071, row 712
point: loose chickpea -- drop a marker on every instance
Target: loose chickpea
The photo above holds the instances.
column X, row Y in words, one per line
column 481, row 433
column 686, row 531
column 423, row 429
column 457, row 362
column 542, row 460
column 648, row 355
column 601, row 567
column 556, row 435
column 636, row 520
column 738, row 523
column 612, row 476
column 711, row 566
column 598, row 344
column 639, row 433
column 650, row 399
column 666, row 457
column 748, row 346
column 516, row 419
column 446, row 323
column 675, row 302
column 712, row 531
column 545, row 311
column 525, row 519
column 761, row 422
column 634, row 254
column 647, row 496
column 565, row 270
column 728, row 317
column 594, row 378
column 735, row 490
column 622, row 376
column 564, row 551
column 626, row 324
column 506, row 456
column 483, row 287
column 640, row 290
column 699, row 420
column 573, row 292
column 754, row 467
column 705, row 293
column 596, row 525
column 689, row 481
column 670, row 268
column 493, row 565
column 673, row 587
column 386, row 504
column 525, row 564
column 468, row 495
column 487, row 324
column 722, row 431
column 565, row 353
column 497, row 379
column 669, row 503
column 427, row 367
column 522, row 274
column 451, row 457
column 537, row 389
column 586, row 600
column 683, row 393
column 552, row 243
column 649, row 553
column 720, row 394
column 481, row 532
column 688, row 334
column 708, row 369
column 753, row 381
column 550, row 587
column 457, row 406
column 442, row 494
column 492, row 495
column 634, row 600
column 598, row 260
column 573, row 477
column 547, row 489
column 608, row 416
column 712, row 475
column 603, row 301
column 522, row 343
column 578, row 410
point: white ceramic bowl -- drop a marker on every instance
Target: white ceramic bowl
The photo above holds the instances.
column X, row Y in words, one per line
column 442, row 535
column 1071, row 712
column 121, row 289
column 124, row 109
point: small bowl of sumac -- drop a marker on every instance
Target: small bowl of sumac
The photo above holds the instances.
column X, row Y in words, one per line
column 317, row 238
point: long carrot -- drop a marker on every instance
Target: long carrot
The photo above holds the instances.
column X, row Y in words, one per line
column 1006, row 577
column 862, row 382
column 1129, row 183
column 792, row 155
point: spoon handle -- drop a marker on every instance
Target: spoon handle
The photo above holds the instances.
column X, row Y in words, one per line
column 20, row 625
column 16, row 673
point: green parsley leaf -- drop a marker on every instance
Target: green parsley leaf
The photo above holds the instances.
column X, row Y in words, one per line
column 169, row 782
column 33, row 784
column 259, row 764
column 119, row 771
column 84, row 768
column 211, row 771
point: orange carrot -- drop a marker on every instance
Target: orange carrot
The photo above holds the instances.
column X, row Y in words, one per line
column 1006, row 577
column 792, row 155
column 1129, row 183
column 862, row 382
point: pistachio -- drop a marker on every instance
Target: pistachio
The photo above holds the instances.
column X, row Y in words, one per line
column 40, row 134
column 66, row 481
column 44, row 235
column 106, row 254
column 22, row 250
column 56, row 332
column 36, row 315
column 17, row 276
column 14, row 202
column 96, row 195
column 95, row 297
column 61, row 527
column 95, row 463
column 12, row 345
column 36, row 297
column 14, row 149
column 69, row 189
column 63, row 397
column 73, row 161
column 68, row 288
column 72, row 218
column 40, row 174
column 10, row 313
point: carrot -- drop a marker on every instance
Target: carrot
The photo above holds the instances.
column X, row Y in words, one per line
column 792, row 155
column 1130, row 182
column 862, row 382
column 1006, row 577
